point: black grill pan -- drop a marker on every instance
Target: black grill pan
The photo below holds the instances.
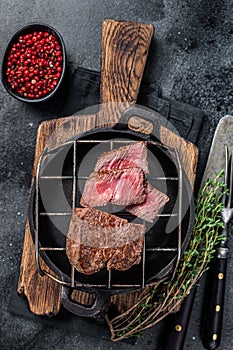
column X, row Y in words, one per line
column 161, row 251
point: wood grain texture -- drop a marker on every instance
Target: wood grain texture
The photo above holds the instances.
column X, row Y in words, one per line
column 125, row 46
column 42, row 293
column 188, row 152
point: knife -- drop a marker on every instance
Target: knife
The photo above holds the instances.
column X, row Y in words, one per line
column 217, row 273
column 178, row 324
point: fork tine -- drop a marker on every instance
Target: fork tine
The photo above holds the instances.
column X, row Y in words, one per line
column 231, row 180
column 226, row 163
column 226, row 172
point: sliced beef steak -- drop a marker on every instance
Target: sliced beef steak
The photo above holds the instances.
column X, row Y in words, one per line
column 121, row 187
column 97, row 239
column 133, row 155
column 148, row 210
column 126, row 256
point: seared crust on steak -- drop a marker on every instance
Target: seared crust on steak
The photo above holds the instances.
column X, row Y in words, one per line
column 124, row 257
column 97, row 239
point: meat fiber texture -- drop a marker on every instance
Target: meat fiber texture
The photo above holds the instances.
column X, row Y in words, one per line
column 150, row 208
column 120, row 186
column 116, row 180
column 133, row 155
column 97, row 239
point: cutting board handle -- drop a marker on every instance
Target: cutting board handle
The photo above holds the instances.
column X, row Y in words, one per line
column 125, row 46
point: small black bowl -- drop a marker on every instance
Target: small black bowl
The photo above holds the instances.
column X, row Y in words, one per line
column 30, row 28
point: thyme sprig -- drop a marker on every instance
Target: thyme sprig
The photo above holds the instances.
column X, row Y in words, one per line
column 163, row 298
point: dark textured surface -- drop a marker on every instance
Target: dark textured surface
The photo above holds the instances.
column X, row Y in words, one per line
column 190, row 58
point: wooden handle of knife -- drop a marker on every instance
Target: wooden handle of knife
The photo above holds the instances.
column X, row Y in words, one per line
column 214, row 304
column 177, row 326
column 125, row 46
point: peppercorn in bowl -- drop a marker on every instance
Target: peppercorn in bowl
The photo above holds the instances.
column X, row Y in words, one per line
column 34, row 63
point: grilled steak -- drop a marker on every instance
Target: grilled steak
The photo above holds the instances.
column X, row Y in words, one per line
column 148, row 210
column 121, row 187
column 124, row 257
column 134, row 155
column 97, row 239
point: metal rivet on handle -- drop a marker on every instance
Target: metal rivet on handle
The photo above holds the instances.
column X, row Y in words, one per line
column 215, row 336
column 220, row 276
column 218, row 308
column 178, row 328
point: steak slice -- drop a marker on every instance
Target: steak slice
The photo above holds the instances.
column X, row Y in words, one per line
column 97, row 239
column 121, row 187
column 125, row 257
column 133, row 155
column 149, row 209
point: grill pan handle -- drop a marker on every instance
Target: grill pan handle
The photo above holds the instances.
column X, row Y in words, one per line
column 140, row 124
column 81, row 310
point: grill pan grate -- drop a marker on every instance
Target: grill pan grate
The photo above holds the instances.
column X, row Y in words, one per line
column 73, row 177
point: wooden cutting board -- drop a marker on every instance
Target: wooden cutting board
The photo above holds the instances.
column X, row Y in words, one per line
column 125, row 47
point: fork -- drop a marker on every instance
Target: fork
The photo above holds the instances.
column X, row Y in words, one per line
column 217, row 274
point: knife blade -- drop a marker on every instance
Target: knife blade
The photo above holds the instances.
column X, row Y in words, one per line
column 178, row 323
column 222, row 136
